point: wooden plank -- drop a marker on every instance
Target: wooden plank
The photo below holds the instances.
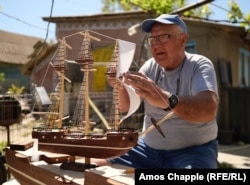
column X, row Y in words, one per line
column 22, row 145
column 91, row 178
column 109, row 175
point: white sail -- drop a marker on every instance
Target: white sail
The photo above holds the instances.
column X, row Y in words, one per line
column 126, row 55
column 134, row 99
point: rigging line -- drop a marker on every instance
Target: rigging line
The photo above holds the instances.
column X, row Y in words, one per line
column 229, row 11
column 44, row 42
column 49, row 65
column 157, row 91
column 46, row 72
column 102, row 35
column 31, row 25
column 92, row 32
column 47, row 31
column 71, row 35
column 50, row 15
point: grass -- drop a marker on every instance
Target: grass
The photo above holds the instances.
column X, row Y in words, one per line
column 3, row 145
column 225, row 165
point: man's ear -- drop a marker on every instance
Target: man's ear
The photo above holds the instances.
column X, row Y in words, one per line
column 184, row 39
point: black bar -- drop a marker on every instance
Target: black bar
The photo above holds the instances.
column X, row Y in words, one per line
column 192, row 176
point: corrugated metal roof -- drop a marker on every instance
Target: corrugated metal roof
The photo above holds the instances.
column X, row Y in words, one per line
column 15, row 48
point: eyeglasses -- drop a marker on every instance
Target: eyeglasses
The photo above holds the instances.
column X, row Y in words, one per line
column 162, row 38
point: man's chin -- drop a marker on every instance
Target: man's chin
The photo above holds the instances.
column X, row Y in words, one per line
column 161, row 61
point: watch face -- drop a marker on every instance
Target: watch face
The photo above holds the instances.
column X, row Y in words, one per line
column 173, row 100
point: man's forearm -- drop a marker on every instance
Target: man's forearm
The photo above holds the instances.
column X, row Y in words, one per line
column 200, row 108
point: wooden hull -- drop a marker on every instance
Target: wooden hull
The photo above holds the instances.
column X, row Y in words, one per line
column 26, row 173
column 112, row 144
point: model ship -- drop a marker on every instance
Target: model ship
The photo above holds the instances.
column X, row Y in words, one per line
column 66, row 142
column 54, row 137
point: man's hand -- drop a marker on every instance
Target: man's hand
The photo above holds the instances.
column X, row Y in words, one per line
column 147, row 89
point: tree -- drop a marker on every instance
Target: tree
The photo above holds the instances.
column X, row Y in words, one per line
column 158, row 7
column 151, row 6
column 236, row 16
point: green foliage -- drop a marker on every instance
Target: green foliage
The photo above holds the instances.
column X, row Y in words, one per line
column 16, row 90
column 155, row 6
column 225, row 165
column 117, row 5
column 247, row 22
column 3, row 145
column 235, row 13
column 151, row 6
column 158, row 7
column 202, row 12
column 205, row 11
column 236, row 16
column 2, row 77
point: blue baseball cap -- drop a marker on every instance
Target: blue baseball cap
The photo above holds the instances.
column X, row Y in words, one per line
column 164, row 19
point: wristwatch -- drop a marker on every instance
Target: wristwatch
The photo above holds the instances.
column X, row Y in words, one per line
column 173, row 101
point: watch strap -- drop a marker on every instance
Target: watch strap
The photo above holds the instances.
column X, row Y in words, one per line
column 173, row 100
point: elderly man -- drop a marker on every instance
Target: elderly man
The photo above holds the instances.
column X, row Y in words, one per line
column 177, row 82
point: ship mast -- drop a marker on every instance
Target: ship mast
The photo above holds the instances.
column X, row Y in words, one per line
column 115, row 114
column 85, row 60
column 55, row 110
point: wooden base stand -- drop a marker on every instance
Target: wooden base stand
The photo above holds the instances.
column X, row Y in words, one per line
column 109, row 175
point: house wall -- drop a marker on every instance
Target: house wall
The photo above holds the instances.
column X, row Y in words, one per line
column 13, row 76
column 40, row 72
column 114, row 28
column 218, row 43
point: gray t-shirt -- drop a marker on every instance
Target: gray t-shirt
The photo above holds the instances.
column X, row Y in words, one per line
column 195, row 75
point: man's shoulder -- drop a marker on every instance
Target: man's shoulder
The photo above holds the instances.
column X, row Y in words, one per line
column 150, row 63
column 150, row 67
column 150, row 60
column 197, row 58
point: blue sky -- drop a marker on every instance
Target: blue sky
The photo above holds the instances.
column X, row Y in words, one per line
column 26, row 15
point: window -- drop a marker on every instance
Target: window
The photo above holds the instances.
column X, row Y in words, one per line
column 190, row 47
column 244, row 67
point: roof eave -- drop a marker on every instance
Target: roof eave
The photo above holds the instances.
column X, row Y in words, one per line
column 101, row 16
